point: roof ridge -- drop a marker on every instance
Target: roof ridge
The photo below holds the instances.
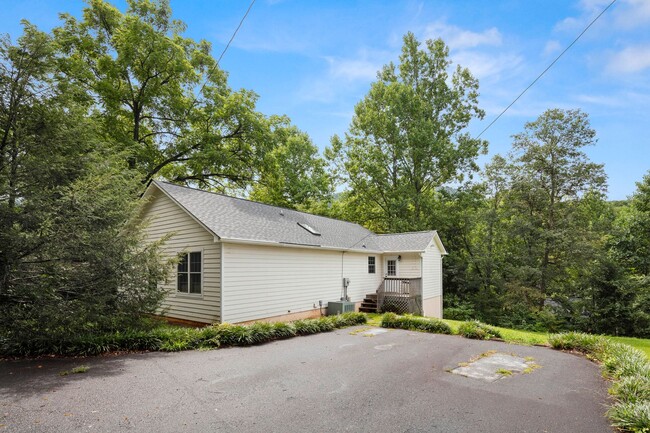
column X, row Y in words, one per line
column 406, row 233
column 264, row 204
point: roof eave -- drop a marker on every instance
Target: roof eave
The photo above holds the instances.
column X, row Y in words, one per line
column 438, row 241
column 293, row 245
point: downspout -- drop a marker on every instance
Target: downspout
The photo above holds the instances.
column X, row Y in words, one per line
column 422, row 281
column 343, row 294
column 221, row 282
column 442, row 305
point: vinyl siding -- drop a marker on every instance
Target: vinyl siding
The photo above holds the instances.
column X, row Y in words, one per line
column 267, row 281
column 408, row 266
column 166, row 217
column 432, row 276
column 361, row 282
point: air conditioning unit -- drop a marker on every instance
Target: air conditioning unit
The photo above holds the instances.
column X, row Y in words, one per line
column 339, row 307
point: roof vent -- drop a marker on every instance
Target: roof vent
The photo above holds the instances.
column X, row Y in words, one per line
column 281, row 212
column 309, row 228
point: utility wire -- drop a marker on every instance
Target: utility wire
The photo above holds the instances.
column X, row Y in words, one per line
column 225, row 49
column 548, row 67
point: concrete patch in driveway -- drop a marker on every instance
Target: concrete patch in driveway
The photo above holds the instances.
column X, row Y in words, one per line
column 374, row 331
column 384, row 347
column 492, row 366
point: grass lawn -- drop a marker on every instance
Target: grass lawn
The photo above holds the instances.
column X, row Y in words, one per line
column 530, row 337
column 642, row 344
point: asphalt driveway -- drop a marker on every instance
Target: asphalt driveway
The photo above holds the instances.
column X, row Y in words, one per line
column 398, row 381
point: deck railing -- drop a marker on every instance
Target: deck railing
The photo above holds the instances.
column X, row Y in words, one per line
column 400, row 295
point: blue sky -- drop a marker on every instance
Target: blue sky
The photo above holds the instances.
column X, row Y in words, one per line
column 314, row 60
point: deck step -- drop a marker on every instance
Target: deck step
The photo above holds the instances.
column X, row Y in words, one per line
column 369, row 303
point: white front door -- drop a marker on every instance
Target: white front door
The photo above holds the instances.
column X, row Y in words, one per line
column 390, row 265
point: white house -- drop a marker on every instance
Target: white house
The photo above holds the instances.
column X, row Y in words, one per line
column 243, row 261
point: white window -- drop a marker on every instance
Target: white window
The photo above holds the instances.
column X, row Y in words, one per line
column 189, row 273
column 371, row 265
column 391, row 267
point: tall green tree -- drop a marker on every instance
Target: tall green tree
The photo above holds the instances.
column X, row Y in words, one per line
column 551, row 178
column 71, row 259
column 161, row 97
column 294, row 175
column 407, row 138
column 630, row 249
column 633, row 241
column 41, row 146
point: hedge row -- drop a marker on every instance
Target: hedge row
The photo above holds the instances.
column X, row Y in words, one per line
column 415, row 323
column 171, row 338
column 473, row 329
column 628, row 369
column 478, row 331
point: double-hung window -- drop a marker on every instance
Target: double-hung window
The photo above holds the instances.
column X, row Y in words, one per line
column 189, row 273
column 371, row 265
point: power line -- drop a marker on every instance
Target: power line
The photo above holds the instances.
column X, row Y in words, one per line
column 547, row 68
column 225, row 49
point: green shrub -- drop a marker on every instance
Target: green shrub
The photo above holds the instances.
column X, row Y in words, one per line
column 325, row 324
column 579, row 341
column 631, row 417
column 628, row 367
column 235, row 335
column 339, row 321
column 173, row 338
column 478, row 331
column 261, row 332
column 620, row 360
column 137, row 340
column 351, row 319
column 284, row 330
column 306, row 327
column 632, row 389
column 407, row 321
column 457, row 309
column 174, row 345
column 389, row 320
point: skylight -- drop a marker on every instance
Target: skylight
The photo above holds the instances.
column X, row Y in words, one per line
column 310, row 229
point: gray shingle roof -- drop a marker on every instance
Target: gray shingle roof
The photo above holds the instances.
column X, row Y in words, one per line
column 413, row 241
column 238, row 219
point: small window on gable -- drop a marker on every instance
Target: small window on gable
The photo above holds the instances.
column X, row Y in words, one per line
column 189, row 273
column 371, row 265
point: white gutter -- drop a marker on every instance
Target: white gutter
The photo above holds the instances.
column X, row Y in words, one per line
column 292, row 245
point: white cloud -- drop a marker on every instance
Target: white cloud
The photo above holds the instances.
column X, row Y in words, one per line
column 458, row 38
column 630, row 60
column 353, row 69
column 633, row 13
column 344, row 76
column 608, row 101
column 552, row 47
column 624, row 14
column 488, row 66
column 569, row 24
column 594, row 5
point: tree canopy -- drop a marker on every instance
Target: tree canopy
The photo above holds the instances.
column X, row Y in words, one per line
column 161, row 97
column 407, row 137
